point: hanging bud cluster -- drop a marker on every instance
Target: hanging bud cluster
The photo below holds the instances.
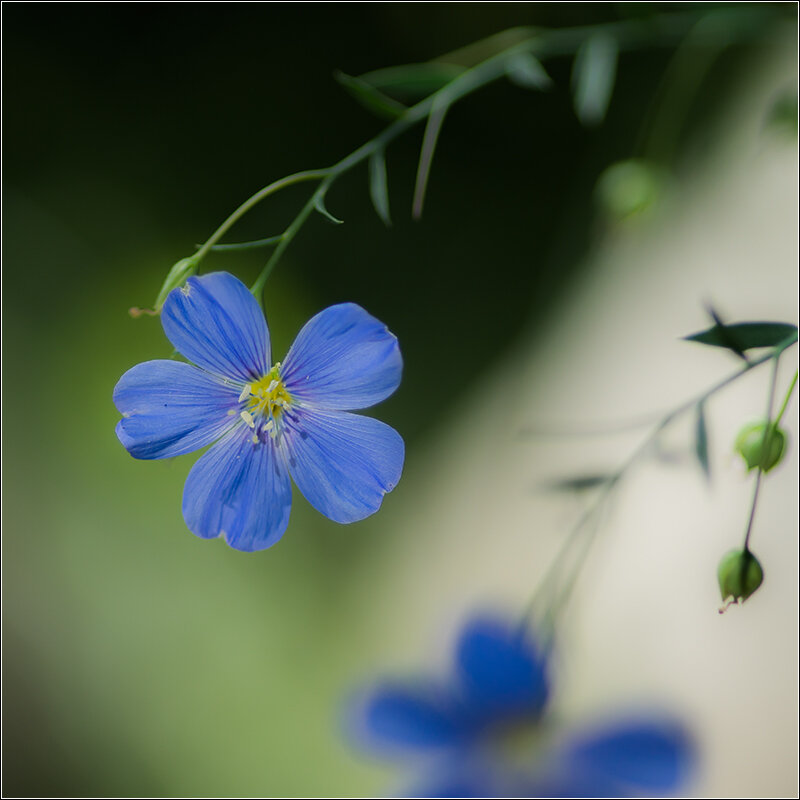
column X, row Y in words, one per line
column 739, row 574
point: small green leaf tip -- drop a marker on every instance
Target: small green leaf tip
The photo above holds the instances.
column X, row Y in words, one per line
column 319, row 205
column 741, row 336
column 739, row 575
column 701, row 441
column 761, row 448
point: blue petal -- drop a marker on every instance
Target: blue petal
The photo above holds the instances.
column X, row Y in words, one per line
column 343, row 463
column 397, row 718
column 343, row 358
column 568, row 783
column 239, row 490
column 502, row 671
column 650, row 754
column 217, row 323
column 454, row 784
column 460, row 772
column 170, row 408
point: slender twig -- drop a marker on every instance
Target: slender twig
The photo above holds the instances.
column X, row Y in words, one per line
column 275, row 186
column 785, row 403
column 659, row 30
column 765, row 440
column 556, row 566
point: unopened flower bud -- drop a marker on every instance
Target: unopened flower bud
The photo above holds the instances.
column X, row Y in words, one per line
column 759, row 450
column 739, row 575
column 176, row 277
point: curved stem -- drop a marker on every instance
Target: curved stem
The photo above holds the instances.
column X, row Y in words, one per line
column 746, row 545
column 275, row 186
column 560, row 559
column 764, row 440
column 663, row 29
column 785, row 403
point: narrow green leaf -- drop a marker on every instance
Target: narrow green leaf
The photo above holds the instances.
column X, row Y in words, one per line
column 255, row 244
column 371, row 98
column 743, row 336
column 412, row 81
column 319, row 204
column 580, row 483
column 593, row 73
column 435, row 120
column 725, row 335
column 527, row 71
column 701, row 440
column 378, row 190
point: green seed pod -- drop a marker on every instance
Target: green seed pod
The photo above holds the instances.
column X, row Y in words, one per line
column 739, row 575
column 758, row 451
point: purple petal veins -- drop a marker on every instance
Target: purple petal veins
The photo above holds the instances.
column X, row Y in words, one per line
column 267, row 420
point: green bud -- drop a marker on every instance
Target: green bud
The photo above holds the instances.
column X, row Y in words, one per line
column 629, row 188
column 176, row 277
column 758, row 451
column 782, row 117
column 739, row 575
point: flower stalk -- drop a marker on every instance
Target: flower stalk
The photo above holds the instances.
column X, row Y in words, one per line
column 629, row 34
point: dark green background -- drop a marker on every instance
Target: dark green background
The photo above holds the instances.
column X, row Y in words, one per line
column 139, row 660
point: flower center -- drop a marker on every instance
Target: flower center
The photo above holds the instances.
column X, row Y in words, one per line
column 265, row 401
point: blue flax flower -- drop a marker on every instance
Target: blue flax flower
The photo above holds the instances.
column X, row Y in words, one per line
column 484, row 733
column 268, row 421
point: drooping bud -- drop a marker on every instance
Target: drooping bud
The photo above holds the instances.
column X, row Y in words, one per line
column 759, row 450
column 739, row 575
column 176, row 277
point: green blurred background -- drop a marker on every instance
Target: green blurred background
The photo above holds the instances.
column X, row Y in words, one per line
column 139, row 660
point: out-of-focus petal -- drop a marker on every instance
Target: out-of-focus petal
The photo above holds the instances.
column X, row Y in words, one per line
column 569, row 782
column 460, row 772
column 399, row 718
column 453, row 785
column 170, row 408
column 343, row 463
column 217, row 323
column 501, row 669
column 239, row 490
column 343, row 358
column 651, row 755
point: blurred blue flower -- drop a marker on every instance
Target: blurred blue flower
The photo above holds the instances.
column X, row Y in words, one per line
column 484, row 733
column 268, row 421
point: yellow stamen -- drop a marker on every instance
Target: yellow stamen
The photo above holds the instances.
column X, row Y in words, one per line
column 268, row 396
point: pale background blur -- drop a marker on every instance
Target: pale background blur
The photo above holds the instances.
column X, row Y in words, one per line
column 643, row 628
column 139, row 660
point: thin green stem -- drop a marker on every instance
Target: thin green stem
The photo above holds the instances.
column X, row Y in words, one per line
column 751, row 518
column 572, row 537
column 275, row 186
column 785, row 403
column 252, row 245
column 258, row 287
column 764, row 441
column 664, row 29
